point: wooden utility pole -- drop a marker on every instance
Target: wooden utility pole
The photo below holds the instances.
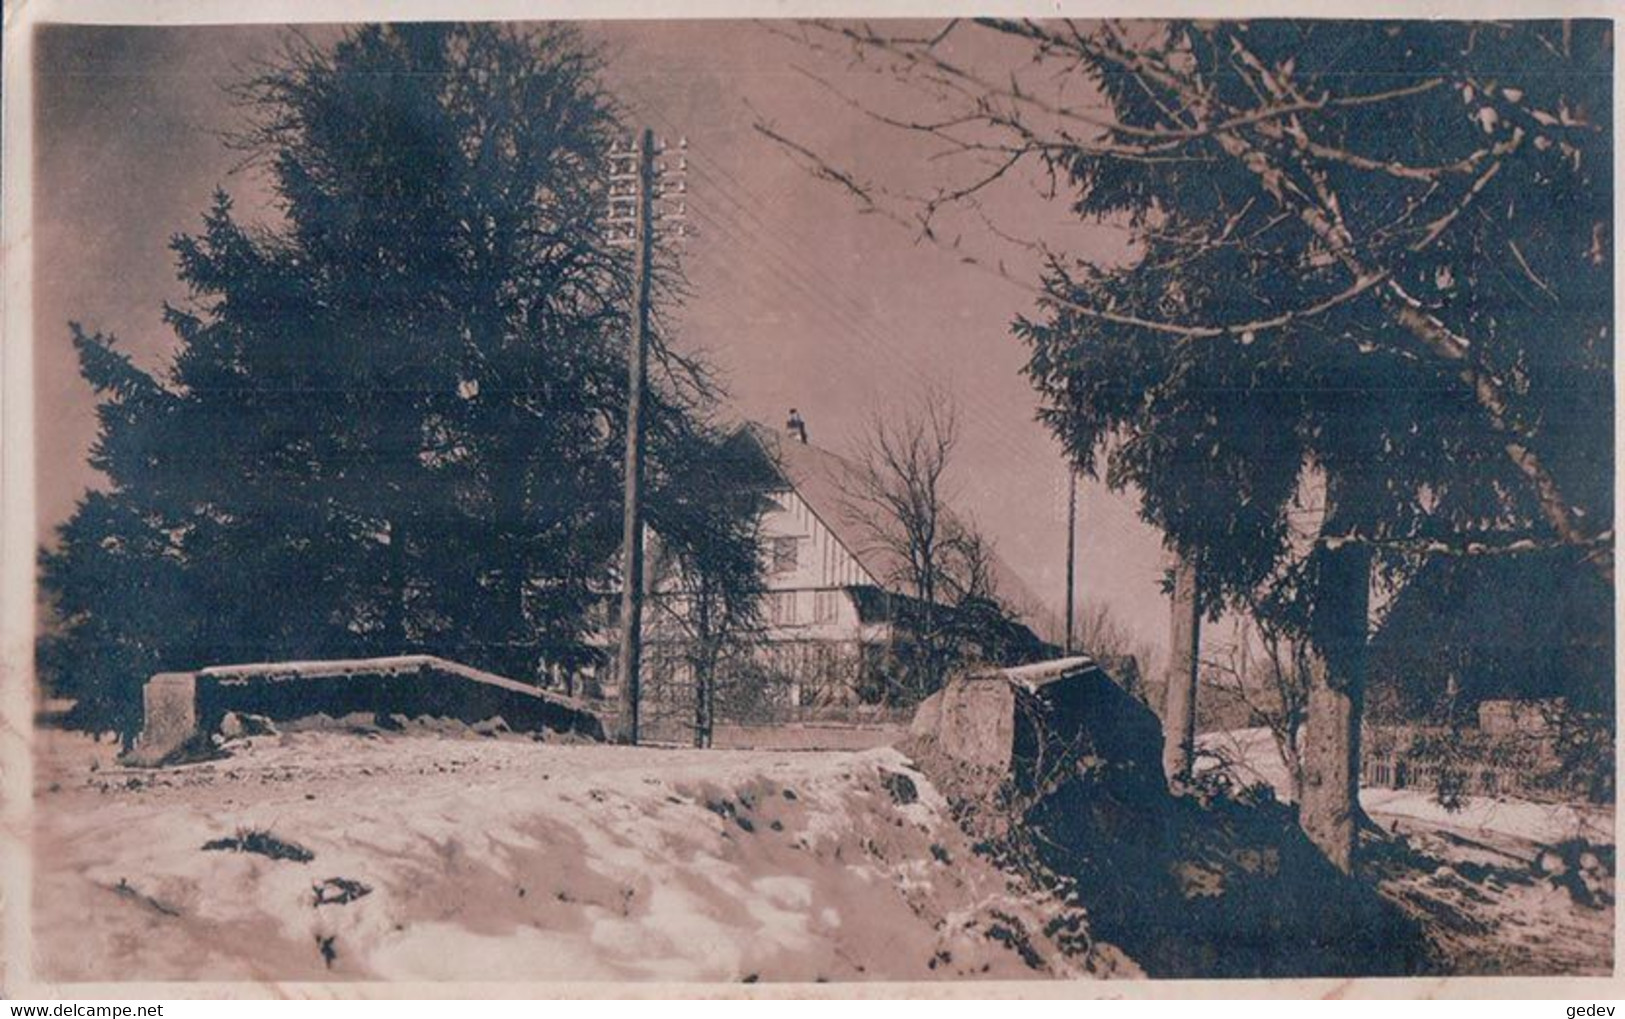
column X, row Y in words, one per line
column 1179, row 702
column 1071, row 558
column 629, row 660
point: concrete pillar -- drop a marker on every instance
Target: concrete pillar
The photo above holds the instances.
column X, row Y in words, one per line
column 169, row 702
column 1179, row 705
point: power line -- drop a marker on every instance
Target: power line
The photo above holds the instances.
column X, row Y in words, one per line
column 855, row 316
column 855, row 313
column 783, row 267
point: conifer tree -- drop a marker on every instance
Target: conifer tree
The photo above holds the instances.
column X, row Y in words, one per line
column 393, row 421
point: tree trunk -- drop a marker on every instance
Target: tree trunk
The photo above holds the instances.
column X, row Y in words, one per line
column 513, row 636
column 1294, row 763
column 703, row 678
column 933, row 681
column 1329, row 810
column 395, row 625
column 1179, row 705
column 1331, row 762
column 704, row 645
column 518, row 662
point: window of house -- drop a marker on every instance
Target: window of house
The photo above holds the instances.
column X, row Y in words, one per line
column 823, row 662
column 826, row 606
column 781, row 608
column 783, row 555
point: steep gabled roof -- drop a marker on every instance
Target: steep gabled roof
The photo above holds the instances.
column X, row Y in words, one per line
column 828, row 484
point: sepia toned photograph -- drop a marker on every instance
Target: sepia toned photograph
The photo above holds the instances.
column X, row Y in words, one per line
column 877, row 503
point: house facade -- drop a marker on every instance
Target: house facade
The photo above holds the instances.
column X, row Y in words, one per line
column 835, row 626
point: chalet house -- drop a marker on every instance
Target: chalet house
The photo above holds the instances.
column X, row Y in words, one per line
column 836, row 625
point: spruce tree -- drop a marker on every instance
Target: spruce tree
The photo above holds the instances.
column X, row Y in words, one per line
column 393, row 421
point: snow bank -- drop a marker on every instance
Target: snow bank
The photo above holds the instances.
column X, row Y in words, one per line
column 1547, row 823
column 508, row 859
column 1251, row 756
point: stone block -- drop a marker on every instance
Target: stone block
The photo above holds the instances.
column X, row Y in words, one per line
column 1027, row 728
column 170, row 717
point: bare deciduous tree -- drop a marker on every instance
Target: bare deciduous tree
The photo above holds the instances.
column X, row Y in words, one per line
column 1102, row 634
column 901, row 496
column 1261, row 679
column 971, row 575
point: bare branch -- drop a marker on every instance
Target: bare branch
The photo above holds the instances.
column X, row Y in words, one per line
column 820, row 168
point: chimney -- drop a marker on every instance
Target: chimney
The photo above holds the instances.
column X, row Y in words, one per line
column 797, row 427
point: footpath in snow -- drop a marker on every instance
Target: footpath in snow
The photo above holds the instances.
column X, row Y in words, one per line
column 1471, row 875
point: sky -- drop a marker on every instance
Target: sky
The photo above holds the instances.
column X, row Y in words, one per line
column 798, row 298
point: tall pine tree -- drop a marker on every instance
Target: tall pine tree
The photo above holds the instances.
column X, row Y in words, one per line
column 394, row 419
column 1364, row 317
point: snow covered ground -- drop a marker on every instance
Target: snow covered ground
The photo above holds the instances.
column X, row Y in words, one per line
column 1249, row 755
column 1470, row 874
column 507, row 859
column 440, row 857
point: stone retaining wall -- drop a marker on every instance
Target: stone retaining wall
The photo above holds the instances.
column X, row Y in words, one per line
column 181, row 707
